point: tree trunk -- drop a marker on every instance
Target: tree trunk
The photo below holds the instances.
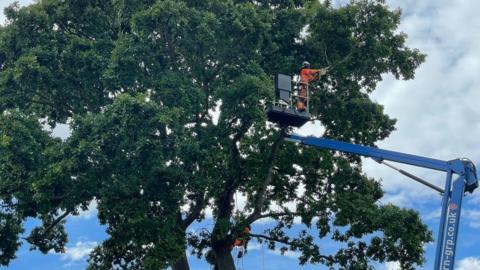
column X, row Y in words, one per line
column 181, row 264
column 224, row 259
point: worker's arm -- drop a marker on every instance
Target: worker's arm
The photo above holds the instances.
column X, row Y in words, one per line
column 319, row 72
column 311, row 74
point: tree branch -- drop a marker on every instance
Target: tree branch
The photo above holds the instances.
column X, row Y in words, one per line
column 260, row 196
column 46, row 103
column 329, row 258
column 233, row 181
column 277, row 214
column 51, row 226
column 206, row 88
column 195, row 213
column 55, row 222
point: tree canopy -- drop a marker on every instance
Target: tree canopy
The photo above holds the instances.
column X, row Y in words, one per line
column 166, row 102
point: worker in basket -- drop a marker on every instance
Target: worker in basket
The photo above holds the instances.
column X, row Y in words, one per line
column 307, row 75
column 242, row 241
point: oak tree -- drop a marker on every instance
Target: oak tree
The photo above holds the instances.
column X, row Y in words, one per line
column 166, row 102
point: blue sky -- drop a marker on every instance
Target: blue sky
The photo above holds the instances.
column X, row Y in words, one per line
column 437, row 117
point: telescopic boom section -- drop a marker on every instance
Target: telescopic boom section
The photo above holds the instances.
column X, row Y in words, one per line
column 375, row 153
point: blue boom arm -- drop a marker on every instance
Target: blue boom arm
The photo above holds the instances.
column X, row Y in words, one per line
column 452, row 197
column 378, row 154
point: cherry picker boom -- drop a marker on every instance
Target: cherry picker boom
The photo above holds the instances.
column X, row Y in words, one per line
column 284, row 114
column 452, row 193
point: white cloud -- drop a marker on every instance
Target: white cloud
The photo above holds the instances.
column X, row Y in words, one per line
column 437, row 111
column 209, row 213
column 264, row 221
column 254, row 245
column 392, row 266
column 92, row 211
column 469, row 263
column 472, row 218
column 311, row 129
column 400, row 198
column 473, row 198
column 62, row 131
column 289, row 254
column 80, row 251
column 433, row 215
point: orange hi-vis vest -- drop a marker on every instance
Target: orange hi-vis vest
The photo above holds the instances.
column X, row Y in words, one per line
column 307, row 75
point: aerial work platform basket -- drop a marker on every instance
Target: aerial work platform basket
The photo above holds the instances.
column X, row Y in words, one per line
column 283, row 112
column 287, row 116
